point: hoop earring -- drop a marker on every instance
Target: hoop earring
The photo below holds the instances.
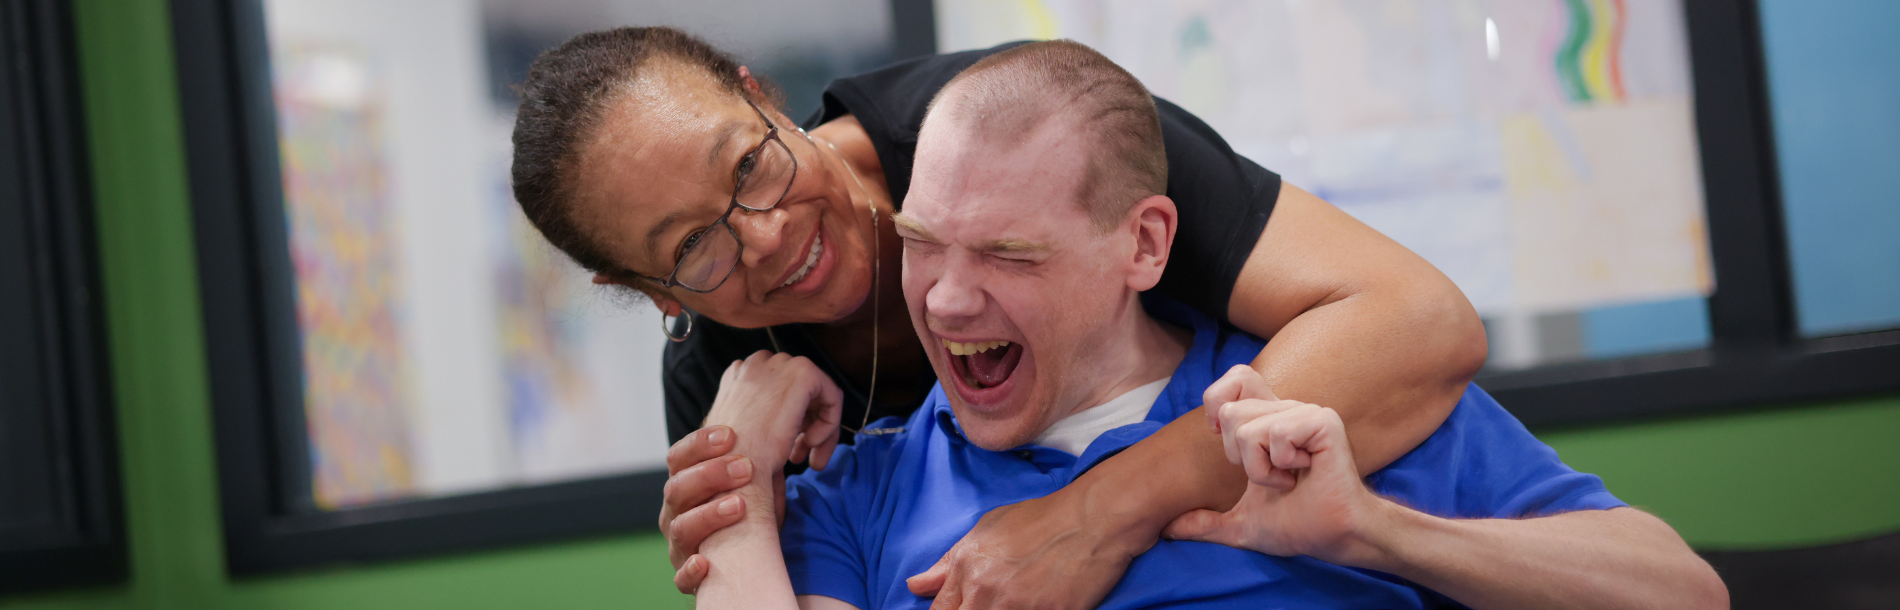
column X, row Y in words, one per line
column 667, row 329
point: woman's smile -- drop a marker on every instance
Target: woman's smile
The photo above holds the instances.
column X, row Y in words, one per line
column 807, row 275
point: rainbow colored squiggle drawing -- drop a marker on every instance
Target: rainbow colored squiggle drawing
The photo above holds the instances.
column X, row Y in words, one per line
column 1589, row 60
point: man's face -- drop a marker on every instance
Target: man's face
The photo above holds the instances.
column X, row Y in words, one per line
column 1000, row 256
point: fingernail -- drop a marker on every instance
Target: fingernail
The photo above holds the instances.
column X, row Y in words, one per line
column 739, row 468
column 718, row 436
column 729, row 506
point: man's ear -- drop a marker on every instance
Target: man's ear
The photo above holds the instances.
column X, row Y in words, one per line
column 1153, row 221
column 667, row 304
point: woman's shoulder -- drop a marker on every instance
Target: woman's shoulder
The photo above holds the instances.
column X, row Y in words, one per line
column 896, row 95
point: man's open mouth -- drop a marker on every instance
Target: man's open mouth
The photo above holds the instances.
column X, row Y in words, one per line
column 984, row 364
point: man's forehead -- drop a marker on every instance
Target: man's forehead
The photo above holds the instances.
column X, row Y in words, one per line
column 961, row 169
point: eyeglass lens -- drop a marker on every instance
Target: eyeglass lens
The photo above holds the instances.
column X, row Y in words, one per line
column 706, row 263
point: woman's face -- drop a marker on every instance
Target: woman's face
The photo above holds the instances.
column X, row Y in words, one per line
column 661, row 168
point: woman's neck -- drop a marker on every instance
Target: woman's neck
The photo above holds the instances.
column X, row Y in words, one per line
column 846, row 137
column 854, row 144
column 879, row 331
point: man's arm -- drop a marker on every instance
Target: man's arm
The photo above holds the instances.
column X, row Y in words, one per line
column 1617, row 558
column 1305, row 497
column 751, row 570
column 766, row 400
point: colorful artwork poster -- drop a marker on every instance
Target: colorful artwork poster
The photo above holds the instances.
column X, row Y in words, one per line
column 343, row 243
column 580, row 362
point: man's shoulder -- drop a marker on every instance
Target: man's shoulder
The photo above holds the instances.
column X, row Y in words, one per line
column 1217, row 347
column 1483, row 462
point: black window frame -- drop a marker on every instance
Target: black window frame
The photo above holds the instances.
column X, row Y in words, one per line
column 58, row 446
column 246, row 285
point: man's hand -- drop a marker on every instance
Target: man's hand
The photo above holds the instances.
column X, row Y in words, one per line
column 782, row 403
column 1304, row 496
column 1039, row 553
column 758, row 391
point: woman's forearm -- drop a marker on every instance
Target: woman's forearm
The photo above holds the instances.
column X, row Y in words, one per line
column 1394, row 368
column 1178, row 469
column 1358, row 324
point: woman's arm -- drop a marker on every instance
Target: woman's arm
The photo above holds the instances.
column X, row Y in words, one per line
column 1355, row 320
column 1358, row 323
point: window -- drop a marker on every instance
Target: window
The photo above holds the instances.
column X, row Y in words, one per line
column 1597, row 176
column 402, row 365
column 59, row 487
column 1837, row 139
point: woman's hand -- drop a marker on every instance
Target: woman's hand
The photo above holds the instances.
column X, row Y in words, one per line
column 698, row 469
column 1043, row 553
column 761, row 394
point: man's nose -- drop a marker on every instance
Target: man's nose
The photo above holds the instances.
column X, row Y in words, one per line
column 761, row 233
column 958, row 291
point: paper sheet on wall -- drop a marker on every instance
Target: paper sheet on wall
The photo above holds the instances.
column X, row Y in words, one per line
column 1541, row 153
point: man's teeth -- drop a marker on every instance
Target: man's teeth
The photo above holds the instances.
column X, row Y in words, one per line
column 968, row 349
column 811, row 260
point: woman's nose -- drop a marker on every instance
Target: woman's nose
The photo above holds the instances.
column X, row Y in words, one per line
column 761, row 233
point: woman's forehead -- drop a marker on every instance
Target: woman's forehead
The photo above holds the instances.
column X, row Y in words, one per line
column 659, row 156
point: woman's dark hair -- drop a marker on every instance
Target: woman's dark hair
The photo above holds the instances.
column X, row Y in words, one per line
column 568, row 90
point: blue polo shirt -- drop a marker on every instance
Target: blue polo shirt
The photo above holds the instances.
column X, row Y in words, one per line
column 890, row 506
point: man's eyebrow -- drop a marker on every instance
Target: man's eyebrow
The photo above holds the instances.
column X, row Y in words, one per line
column 1012, row 246
column 1009, row 245
column 721, row 140
column 658, row 230
column 907, row 223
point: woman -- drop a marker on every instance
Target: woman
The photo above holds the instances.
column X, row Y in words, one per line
column 660, row 164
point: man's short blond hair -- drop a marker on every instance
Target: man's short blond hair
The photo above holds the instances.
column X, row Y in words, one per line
column 1005, row 97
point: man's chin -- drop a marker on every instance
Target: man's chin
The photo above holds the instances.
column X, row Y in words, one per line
column 996, row 435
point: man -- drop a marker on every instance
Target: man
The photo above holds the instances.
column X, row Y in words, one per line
column 1051, row 360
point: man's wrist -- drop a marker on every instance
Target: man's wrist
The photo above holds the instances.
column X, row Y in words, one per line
column 1384, row 531
column 756, row 441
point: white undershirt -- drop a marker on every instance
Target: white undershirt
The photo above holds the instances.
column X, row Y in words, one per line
column 1074, row 433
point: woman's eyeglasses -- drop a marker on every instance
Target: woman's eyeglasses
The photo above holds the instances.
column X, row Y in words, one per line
column 760, row 182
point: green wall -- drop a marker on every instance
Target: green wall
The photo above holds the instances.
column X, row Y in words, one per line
column 1782, row 476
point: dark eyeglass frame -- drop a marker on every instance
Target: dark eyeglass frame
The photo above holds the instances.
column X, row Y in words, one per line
column 738, row 184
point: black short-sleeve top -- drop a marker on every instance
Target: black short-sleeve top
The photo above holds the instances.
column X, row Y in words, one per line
column 1222, row 198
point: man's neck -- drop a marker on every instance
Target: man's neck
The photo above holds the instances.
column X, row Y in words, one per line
column 1145, row 351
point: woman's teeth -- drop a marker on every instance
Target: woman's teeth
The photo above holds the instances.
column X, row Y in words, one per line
column 811, row 260
column 970, row 349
